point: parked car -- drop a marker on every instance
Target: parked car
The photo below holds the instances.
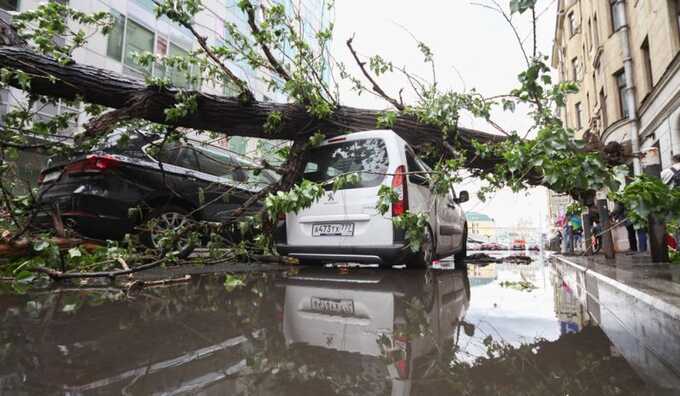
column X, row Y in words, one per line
column 492, row 246
column 95, row 192
column 344, row 225
column 519, row 244
column 474, row 246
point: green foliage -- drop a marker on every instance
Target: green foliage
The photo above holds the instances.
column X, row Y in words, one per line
column 316, row 139
column 379, row 66
column 521, row 6
column 49, row 28
column 299, row 197
column 386, row 119
column 346, row 179
column 646, row 196
column 274, row 120
column 182, row 12
column 575, row 209
column 415, row 225
column 233, row 282
column 185, row 105
column 523, row 285
column 386, row 197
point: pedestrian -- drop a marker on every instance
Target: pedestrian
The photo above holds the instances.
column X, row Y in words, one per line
column 619, row 216
column 577, row 230
column 671, row 175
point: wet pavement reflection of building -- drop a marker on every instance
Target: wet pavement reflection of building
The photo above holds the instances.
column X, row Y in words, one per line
column 326, row 331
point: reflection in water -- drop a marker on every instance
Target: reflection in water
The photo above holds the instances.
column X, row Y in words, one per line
column 309, row 331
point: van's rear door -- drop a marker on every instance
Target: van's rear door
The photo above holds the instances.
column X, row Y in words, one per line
column 347, row 216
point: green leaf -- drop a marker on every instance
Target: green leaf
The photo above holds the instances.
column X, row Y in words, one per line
column 74, row 252
column 40, row 245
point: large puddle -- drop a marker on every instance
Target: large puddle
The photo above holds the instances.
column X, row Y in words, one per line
column 497, row 329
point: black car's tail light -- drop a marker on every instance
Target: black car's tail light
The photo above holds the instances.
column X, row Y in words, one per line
column 92, row 164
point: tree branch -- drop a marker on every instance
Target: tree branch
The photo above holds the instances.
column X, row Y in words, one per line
column 376, row 88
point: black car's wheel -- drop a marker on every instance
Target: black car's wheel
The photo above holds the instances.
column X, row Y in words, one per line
column 460, row 257
column 164, row 224
column 424, row 257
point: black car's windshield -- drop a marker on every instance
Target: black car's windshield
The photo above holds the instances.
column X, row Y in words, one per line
column 232, row 167
column 214, row 162
column 367, row 157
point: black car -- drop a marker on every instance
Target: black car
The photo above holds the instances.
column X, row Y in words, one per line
column 106, row 193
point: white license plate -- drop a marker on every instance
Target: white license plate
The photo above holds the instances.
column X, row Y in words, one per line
column 338, row 229
column 332, row 306
column 52, row 176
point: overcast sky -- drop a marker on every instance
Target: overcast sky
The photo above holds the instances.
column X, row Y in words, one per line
column 473, row 47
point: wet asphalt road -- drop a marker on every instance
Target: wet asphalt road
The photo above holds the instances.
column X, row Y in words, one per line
column 495, row 329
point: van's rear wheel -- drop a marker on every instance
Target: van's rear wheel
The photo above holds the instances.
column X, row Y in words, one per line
column 425, row 255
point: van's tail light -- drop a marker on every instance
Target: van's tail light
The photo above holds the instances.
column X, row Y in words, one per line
column 92, row 164
column 400, row 187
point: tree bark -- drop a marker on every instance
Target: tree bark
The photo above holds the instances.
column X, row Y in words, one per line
column 215, row 113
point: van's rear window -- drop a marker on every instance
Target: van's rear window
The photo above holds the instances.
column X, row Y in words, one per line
column 367, row 157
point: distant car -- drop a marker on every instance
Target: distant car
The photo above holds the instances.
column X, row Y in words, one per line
column 344, row 225
column 519, row 244
column 474, row 246
column 175, row 183
column 492, row 246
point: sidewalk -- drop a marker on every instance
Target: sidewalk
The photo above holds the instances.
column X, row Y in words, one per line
column 656, row 285
column 637, row 306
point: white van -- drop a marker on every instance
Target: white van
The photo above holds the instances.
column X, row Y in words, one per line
column 346, row 226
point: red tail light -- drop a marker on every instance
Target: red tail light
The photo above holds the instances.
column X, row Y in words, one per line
column 400, row 186
column 92, row 164
column 401, row 343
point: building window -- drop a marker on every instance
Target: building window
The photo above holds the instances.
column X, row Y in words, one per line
column 590, row 34
column 114, row 48
column 647, row 59
column 178, row 77
column 617, row 22
column 603, row 109
column 574, row 69
column 596, row 32
column 588, row 104
column 128, row 37
column 579, row 115
column 572, row 23
column 9, row 5
column 138, row 40
column 620, row 77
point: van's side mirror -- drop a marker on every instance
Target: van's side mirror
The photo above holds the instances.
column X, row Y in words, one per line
column 463, row 197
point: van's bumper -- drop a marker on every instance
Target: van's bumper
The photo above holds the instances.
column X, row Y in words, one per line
column 392, row 254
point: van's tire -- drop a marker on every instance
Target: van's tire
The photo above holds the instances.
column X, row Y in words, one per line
column 168, row 216
column 424, row 257
column 459, row 258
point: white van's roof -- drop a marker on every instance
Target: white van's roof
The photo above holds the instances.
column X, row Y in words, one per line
column 375, row 133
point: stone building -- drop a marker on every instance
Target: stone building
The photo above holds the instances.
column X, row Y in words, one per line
column 624, row 56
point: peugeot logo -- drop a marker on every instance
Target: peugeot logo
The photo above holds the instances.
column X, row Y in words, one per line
column 331, row 197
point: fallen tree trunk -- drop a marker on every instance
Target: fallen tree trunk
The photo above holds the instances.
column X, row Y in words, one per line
column 215, row 113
